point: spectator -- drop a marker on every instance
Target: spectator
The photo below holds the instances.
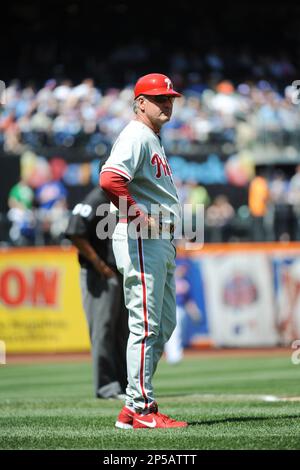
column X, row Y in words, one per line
column 284, row 218
column 197, row 196
column 20, row 203
column 295, row 199
column 258, row 199
column 219, row 216
column 51, row 200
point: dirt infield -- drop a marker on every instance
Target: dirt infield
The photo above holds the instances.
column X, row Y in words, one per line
column 86, row 357
column 36, row 358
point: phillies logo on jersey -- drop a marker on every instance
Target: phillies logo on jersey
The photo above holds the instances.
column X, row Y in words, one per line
column 161, row 164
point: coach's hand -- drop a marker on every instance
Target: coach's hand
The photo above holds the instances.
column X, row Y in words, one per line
column 103, row 269
column 108, row 273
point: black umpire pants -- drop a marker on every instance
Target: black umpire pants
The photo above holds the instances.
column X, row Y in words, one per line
column 107, row 319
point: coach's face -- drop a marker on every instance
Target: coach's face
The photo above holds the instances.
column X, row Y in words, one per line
column 157, row 109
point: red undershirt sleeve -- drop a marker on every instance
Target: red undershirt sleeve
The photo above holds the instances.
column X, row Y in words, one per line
column 115, row 186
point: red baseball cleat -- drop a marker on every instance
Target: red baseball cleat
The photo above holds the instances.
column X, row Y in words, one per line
column 125, row 419
column 156, row 420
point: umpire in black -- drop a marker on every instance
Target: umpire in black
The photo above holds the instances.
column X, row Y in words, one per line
column 102, row 295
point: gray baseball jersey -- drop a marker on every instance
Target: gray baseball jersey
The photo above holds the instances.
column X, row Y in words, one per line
column 139, row 156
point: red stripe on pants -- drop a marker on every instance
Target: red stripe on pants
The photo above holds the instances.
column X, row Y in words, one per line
column 142, row 368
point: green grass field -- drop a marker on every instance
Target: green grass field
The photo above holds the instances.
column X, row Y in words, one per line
column 51, row 406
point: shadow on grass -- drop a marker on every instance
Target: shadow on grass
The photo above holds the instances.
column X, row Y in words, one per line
column 240, row 419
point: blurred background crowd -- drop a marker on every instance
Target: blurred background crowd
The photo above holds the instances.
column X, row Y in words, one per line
column 233, row 141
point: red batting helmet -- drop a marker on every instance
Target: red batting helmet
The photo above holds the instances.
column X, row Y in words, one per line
column 154, row 84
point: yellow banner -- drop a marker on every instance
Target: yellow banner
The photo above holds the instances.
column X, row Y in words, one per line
column 40, row 301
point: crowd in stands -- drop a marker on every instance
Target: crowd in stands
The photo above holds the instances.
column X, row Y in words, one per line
column 255, row 110
column 39, row 215
column 255, row 113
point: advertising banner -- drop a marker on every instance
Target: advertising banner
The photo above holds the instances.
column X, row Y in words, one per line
column 240, row 300
column 249, row 294
column 231, row 295
column 40, row 301
column 286, row 270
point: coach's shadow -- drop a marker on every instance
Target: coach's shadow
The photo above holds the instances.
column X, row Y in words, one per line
column 239, row 419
